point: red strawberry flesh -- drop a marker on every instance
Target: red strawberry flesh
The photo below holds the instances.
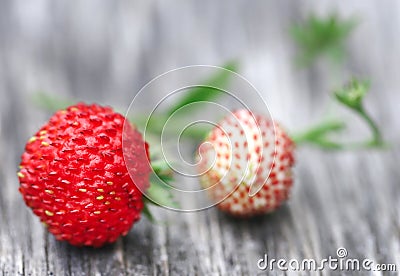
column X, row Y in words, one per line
column 74, row 176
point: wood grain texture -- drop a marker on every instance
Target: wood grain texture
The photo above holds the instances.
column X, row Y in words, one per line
column 105, row 51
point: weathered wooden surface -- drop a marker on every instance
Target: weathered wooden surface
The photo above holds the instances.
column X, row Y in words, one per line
column 104, row 51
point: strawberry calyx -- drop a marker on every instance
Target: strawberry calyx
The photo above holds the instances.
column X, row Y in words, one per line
column 352, row 95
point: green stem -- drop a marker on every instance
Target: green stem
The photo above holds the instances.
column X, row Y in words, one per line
column 314, row 134
column 377, row 139
column 156, row 123
column 351, row 96
column 317, row 135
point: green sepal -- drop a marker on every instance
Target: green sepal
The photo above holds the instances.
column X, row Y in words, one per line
column 146, row 211
column 159, row 192
column 353, row 93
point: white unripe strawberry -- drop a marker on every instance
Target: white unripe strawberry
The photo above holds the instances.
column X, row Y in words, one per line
column 246, row 164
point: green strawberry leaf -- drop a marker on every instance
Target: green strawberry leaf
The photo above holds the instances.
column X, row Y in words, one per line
column 50, row 102
column 209, row 92
column 321, row 37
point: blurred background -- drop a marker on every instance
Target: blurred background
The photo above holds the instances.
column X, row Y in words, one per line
column 294, row 52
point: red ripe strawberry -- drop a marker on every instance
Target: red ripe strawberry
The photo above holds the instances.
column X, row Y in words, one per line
column 247, row 150
column 75, row 178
